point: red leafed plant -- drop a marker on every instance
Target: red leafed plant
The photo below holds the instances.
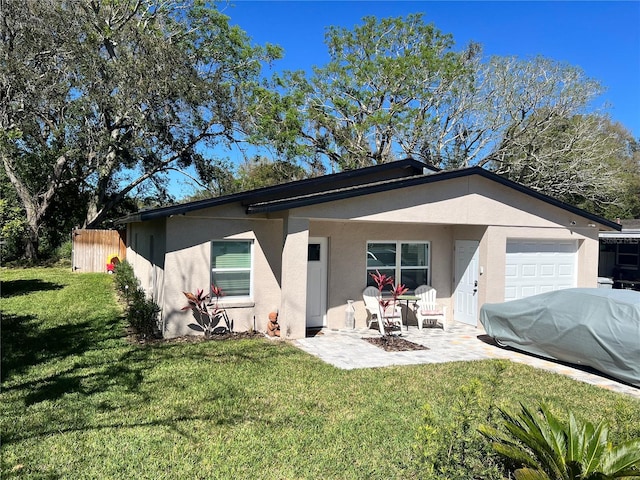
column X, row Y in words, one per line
column 208, row 316
column 382, row 280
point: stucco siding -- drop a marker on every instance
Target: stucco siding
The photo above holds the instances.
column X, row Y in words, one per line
column 188, row 265
column 471, row 207
column 294, row 278
column 588, row 255
column 145, row 252
column 461, row 201
column 348, row 256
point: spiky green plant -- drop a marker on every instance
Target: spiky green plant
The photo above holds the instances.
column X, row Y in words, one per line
column 382, row 280
column 543, row 448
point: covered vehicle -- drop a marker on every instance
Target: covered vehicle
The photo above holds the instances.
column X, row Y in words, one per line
column 594, row 327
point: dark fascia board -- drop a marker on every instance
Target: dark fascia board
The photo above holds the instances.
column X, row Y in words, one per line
column 350, row 178
column 283, row 191
column 383, row 186
column 181, row 209
column 546, row 198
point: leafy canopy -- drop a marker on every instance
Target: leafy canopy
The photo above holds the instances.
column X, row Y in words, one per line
column 395, row 87
column 106, row 95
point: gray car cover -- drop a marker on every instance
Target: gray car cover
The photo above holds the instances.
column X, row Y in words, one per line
column 594, row 327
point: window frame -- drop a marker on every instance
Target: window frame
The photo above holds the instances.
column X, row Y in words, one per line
column 250, row 269
column 623, row 257
column 398, row 267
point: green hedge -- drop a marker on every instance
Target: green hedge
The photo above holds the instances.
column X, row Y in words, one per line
column 142, row 312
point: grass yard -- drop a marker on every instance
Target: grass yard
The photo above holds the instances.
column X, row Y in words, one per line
column 78, row 401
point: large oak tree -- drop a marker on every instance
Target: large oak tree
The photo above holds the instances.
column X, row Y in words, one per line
column 105, row 95
column 396, row 87
column 384, row 80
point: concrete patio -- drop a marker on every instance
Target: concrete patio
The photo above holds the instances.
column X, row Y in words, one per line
column 346, row 349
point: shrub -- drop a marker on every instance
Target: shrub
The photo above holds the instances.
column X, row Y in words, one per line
column 125, row 279
column 448, row 441
column 13, row 229
column 63, row 252
column 141, row 312
column 208, row 316
column 543, row 448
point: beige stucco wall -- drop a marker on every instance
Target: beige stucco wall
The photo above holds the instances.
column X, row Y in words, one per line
column 292, row 317
column 470, row 208
column 146, row 243
column 347, row 260
column 188, row 263
column 469, row 200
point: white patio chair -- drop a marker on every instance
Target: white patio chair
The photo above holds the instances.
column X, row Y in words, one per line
column 391, row 316
column 428, row 309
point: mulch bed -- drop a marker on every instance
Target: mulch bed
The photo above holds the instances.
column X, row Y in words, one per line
column 134, row 337
column 393, row 343
column 389, row 343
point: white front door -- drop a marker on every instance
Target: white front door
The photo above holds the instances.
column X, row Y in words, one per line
column 317, row 282
column 466, row 282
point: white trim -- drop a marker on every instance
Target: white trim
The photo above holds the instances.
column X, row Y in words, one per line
column 398, row 266
column 629, row 234
column 229, row 299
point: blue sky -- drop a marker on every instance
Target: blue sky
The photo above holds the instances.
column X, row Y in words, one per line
column 603, row 38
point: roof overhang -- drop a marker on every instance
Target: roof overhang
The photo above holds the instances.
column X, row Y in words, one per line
column 389, row 185
column 308, row 186
column 349, row 184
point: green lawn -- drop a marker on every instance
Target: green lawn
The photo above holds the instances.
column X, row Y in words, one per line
column 79, row 401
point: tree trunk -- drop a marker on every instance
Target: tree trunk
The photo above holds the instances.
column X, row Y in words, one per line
column 35, row 205
column 32, row 242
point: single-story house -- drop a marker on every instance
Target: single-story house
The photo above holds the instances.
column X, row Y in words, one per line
column 305, row 248
column 619, row 265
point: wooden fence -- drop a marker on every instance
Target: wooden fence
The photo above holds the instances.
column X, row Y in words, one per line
column 94, row 249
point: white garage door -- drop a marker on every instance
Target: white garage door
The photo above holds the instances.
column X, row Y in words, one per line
column 538, row 266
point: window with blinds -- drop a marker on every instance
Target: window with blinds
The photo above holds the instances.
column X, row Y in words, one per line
column 231, row 265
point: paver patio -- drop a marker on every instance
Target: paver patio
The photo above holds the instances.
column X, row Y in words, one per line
column 346, row 349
